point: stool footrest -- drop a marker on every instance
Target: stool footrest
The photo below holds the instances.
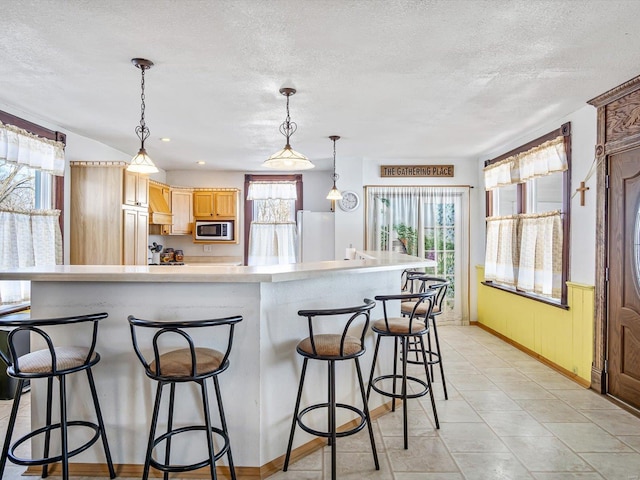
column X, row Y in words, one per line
column 194, row 466
column 432, row 357
column 49, row 428
column 320, row 433
column 422, row 393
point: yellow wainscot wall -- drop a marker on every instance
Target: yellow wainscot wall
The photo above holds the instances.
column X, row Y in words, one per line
column 562, row 338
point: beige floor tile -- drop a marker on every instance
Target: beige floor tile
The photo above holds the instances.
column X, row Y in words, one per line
column 615, row 466
column 391, row 424
column 425, row 454
column 586, row 437
column 491, row 466
column 585, row 399
column 471, row 438
column 616, row 422
column 567, row 476
column 429, row 476
column 546, row 454
column 297, row 475
column 490, row 401
column 525, row 390
column 311, row 462
column 463, row 367
column 458, row 411
column 360, row 442
column 632, row 440
column 553, row 381
column 356, row 466
column 551, row 411
column 504, row 375
column 514, row 424
column 464, row 382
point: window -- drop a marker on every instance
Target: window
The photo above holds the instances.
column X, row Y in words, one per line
column 428, row 222
column 528, row 218
column 31, row 166
column 270, row 218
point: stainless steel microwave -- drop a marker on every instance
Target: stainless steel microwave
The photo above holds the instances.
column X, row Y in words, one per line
column 211, row 230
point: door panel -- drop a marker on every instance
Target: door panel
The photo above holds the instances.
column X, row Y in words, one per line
column 623, row 330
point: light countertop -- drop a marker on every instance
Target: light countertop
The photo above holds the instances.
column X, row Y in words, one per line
column 375, row 261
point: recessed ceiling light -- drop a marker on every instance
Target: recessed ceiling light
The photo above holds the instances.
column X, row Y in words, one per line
column 165, row 139
column 201, row 162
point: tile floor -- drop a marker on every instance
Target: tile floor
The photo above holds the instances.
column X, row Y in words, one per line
column 508, row 417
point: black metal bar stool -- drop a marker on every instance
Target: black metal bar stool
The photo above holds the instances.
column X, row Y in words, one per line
column 439, row 285
column 402, row 329
column 332, row 348
column 52, row 362
column 170, row 366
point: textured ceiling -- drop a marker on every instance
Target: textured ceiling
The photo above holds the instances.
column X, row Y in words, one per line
column 407, row 79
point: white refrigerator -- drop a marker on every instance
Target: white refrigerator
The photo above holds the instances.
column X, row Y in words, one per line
column 316, row 236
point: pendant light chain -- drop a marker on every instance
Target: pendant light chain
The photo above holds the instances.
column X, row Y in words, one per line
column 288, row 127
column 142, row 130
column 335, row 175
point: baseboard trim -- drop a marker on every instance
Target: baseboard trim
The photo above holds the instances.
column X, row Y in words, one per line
column 242, row 473
column 570, row 375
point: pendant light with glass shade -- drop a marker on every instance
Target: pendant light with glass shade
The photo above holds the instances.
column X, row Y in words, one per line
column 288, row 158
column 334, row 193
column 141, row 162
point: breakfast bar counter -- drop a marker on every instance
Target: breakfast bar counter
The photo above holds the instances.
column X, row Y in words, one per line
column 260, row 386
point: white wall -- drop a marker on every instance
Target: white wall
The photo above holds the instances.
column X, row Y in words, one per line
column 583, row 218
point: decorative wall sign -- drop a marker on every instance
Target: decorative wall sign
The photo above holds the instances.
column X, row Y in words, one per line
column 416, row 170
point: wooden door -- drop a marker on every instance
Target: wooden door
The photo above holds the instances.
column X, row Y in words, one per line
column 141, row 237
column 130, row 225
column 182, row 209
column 623, row 330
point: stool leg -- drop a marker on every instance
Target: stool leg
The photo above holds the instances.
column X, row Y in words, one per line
column 435, row 335
column 167, row 450
column 207, row 422
column 366, row 414
column 152, row 431
column 405, row 343
column 223, row 422
column 103, row 434
column 63, row 427
column 47, row 434
column 332, row 415
column 12, row 423
column 295, row 415
column 373, row 366
column 329, row 390
column 431, row 356
column 426, row 371
column 395, row 371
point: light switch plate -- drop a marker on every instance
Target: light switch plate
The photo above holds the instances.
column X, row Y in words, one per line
column 208, row 248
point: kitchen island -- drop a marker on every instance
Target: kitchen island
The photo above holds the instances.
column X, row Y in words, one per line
column 260, row 385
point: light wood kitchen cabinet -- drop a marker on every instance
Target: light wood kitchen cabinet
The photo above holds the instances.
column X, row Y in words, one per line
column 182, row 209
column 104, row 230
column 219, row 204
column 135, row 234
column 136, row 189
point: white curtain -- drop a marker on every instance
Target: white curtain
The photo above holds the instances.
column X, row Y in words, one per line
column 27, row 239
column 548, row 157
column 273, row 233
column 23, row 148
column 502, row 255
column 429, row 222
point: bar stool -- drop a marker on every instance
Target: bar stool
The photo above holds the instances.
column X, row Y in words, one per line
column 52, row 362
column 169, row 366
column 332, row 348
column 439, row 285
column 402, row 330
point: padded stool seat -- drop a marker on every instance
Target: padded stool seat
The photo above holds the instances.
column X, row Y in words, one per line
column 170, row 365
column 53, row 362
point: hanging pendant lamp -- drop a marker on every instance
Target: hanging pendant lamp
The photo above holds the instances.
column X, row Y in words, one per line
column 141, row 162
column 334, row 193
column 288, row 158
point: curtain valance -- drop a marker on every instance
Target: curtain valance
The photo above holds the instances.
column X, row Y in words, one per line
column 23, row 148
column 548, row 157
column 272, row 190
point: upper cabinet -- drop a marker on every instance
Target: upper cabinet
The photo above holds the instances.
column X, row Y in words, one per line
column 136, row 189
column 182, row 209
column 218, row 204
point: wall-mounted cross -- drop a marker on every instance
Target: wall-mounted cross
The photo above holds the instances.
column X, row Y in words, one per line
column 582, row 189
